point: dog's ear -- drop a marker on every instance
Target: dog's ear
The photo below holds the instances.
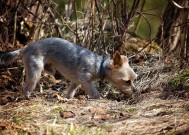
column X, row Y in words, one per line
column 117, row 60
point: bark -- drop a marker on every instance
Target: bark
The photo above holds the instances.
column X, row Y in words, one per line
column 173, row 35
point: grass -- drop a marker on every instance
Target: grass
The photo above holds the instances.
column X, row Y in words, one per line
column 43, row 117
column 70, row 129
column 126, row 108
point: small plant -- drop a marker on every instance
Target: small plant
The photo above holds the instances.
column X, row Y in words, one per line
column 17, row 120
column 52, row 132
column 181, row 78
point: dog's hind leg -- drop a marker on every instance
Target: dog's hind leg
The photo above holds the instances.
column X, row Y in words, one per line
column 71, row 90
column 33, row 68
column 49, row 69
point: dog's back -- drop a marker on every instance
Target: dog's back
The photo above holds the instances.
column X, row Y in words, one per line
column 68, row 58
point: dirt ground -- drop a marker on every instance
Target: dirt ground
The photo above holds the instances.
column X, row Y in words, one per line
column 49, row 113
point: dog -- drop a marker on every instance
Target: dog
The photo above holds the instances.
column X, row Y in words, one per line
column 80, row 65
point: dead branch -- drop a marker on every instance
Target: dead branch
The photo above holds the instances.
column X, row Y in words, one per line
column 55, row 23
column 92, row 22
column 140, row 17
column 178, row 6
column 150, row 31
column 76, row 33
column 146, row 45
column 15, row 22
column 65, row 23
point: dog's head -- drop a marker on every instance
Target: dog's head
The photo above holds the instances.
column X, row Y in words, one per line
column 121, row 74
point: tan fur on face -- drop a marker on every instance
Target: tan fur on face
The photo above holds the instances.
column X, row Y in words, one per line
column 121, row 72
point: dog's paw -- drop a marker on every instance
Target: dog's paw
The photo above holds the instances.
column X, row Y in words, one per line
column 26, row 94
column 94, row 97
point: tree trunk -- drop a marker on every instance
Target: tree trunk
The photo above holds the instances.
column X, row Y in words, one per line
column 173, row 35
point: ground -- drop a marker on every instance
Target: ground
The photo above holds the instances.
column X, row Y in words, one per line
column 39, row 115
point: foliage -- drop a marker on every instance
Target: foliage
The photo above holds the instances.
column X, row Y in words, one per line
column 181, row 78
column 98, row 25
column 102, row 25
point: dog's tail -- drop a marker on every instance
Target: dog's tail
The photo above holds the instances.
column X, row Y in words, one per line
column 7, row 57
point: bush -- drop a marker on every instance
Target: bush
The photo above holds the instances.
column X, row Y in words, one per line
column 181, row 78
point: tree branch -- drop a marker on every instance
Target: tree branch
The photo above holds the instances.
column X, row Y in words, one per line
column 178, row 6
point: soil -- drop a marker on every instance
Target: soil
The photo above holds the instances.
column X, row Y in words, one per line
column 49, row 113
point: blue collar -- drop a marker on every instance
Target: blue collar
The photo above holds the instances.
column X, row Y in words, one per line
column 103, row 68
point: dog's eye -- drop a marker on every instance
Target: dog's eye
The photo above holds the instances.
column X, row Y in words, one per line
column 128, row 82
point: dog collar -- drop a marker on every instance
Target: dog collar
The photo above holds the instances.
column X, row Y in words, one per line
column 103, row 68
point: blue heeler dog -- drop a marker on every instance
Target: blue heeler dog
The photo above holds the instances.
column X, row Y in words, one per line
column 79, row 65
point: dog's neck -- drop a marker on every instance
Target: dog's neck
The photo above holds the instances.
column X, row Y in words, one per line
column 104, row 67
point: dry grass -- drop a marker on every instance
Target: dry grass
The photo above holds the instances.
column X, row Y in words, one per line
column 97, row 117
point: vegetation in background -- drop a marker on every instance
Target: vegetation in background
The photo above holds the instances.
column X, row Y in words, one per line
column 181, row 78
column 99, row 25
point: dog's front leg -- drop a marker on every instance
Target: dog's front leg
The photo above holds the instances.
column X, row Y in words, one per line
column 90, row 90
column 71, row 90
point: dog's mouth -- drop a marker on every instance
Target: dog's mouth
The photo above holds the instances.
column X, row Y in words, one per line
column 127, row 90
